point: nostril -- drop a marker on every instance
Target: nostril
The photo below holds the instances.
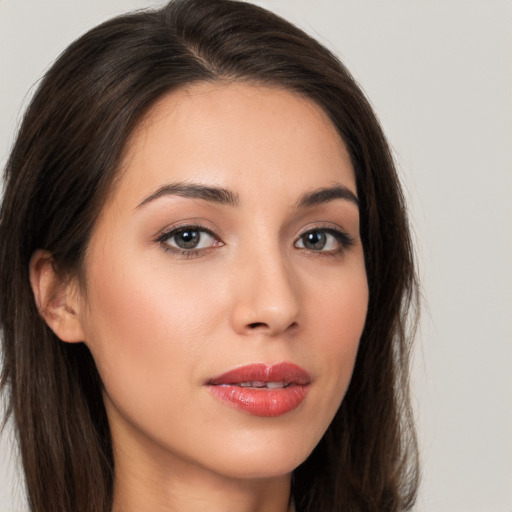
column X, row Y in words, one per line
column 263, row 325
column 256, row 325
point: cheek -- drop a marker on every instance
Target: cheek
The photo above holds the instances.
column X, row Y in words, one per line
column 147, row 330
column 337, row 308
column 335, row 316
column 147, row 320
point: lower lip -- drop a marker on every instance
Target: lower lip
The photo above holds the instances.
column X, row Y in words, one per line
column 261, row 401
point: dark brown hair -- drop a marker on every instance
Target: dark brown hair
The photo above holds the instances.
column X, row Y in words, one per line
column 61, row 169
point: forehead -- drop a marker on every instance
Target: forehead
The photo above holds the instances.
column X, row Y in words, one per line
column 238, row 136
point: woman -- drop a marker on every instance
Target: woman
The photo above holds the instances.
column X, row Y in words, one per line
column 206, row 274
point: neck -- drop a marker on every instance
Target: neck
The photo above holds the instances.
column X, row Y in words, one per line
column 140, row 491
column 148, row 481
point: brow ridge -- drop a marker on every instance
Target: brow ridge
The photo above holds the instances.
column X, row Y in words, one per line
column 195, row 191
column 327, row 194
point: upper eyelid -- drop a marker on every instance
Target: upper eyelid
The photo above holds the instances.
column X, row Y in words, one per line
column 193, row 252
column 323, row 226
column 170, row 230
column 344, row 237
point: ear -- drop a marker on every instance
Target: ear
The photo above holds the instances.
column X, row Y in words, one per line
column 57, row 300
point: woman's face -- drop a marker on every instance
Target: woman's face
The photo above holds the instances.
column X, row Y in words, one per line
column 226, row 289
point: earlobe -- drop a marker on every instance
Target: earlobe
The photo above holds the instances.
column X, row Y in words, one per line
column 57, row 300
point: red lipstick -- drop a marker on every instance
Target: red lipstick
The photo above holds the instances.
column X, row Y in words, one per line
column 262, row 390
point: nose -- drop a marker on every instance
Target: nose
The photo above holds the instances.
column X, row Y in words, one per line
column 266, row 295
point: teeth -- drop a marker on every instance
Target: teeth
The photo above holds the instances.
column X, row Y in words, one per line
column 261, row 384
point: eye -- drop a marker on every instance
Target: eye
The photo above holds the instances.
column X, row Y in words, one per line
column 187, row 239
column 324, row 240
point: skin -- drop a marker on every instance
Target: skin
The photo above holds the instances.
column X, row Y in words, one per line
column 161, row 321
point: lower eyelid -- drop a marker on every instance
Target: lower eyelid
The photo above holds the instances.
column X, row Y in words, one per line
column 164, row 241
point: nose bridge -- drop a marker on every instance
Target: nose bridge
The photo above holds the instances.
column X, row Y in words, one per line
column 267, row 291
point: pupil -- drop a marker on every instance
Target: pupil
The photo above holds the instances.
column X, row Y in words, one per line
column 187, row 239
column 315, row 240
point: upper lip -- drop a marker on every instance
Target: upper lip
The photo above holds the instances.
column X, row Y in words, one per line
column 287, row 373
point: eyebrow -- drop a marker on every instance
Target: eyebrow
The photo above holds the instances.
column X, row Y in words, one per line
column 325, row 195
column 195, row 191
column 227, row 197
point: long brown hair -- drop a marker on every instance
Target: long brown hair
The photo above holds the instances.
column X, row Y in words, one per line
column 61, row 169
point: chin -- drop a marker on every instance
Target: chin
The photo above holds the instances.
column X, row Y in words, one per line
column 263, row 460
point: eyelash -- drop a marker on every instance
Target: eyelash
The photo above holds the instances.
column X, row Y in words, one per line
column 188, row 253
column 344, row 239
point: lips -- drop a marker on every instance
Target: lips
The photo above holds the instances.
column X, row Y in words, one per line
column 262, row 390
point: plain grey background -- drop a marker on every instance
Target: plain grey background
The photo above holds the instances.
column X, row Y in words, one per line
column 439, row 73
